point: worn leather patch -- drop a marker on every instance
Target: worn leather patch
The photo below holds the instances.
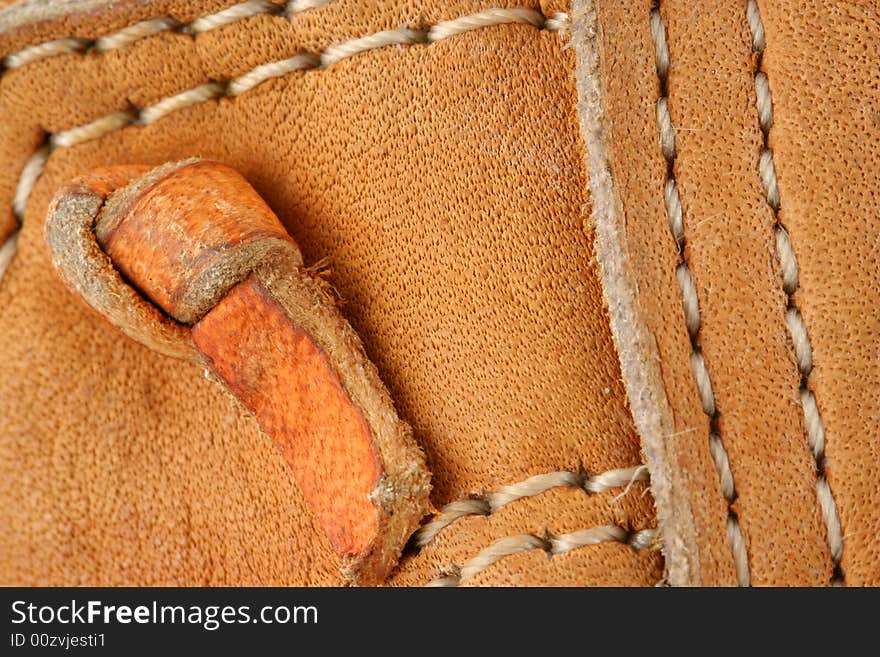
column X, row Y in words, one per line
column 445, row 185
column 740, row 305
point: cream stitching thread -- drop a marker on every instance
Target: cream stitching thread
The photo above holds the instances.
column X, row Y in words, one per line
column 31, row 172
column 6, row 253
column 144, row 116
column 489, row 503
column 132, row 33
column 793, row 319
column 690, row 301
column 44, row 50
column 549, row 543
column 142, row 29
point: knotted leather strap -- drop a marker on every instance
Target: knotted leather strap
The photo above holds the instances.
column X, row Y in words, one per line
column 198, row 241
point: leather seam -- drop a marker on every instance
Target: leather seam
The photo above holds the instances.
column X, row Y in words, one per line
column 491, row 502
column 136, row 31
column 303, row 62
column 690, row 299
column 550, row 544
column 815, row 427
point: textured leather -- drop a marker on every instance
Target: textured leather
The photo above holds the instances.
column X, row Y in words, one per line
column 459, row 190
column 826, row 141
column 827, row 179
column 197, row 240
column 446, row 186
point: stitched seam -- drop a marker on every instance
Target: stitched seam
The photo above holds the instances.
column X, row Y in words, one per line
column 237, row 86
column 815, row 427
column 690, row 299
column 549, row 543
column 7, row 251
column 146, row 28
column 489, row 503
column 486, row 504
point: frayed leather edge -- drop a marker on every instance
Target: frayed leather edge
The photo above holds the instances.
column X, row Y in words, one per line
column 636, row 347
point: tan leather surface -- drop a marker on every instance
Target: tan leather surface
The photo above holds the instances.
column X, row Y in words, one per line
column 824, row 72
column 446, row 185
column 731, row 251
column 275, row 368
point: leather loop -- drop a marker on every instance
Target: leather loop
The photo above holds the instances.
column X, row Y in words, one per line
column 90, row 273
column 196, row 239
column 187, row 232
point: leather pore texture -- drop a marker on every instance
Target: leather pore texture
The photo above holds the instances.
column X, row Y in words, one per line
column 442, row 185
column 739, row 225
column 604, row 255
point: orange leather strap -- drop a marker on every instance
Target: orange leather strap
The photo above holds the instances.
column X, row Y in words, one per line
column 198, row 241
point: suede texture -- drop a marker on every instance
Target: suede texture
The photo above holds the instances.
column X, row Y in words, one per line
column 446, row 187
column 827, row 176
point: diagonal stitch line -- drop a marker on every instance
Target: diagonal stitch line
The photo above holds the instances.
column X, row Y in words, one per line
column 489, row 503
column 549, row 543
column 6, row 253
column 212, row 90
column 797, row 329
column 147, row 28
column 68, row 138
column 304, row 61
column 690, row 299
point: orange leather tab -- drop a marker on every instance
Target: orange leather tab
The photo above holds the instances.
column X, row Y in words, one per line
column 278, row 371
column 187, row 234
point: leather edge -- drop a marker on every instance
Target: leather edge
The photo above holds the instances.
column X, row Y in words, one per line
column 401, row 495
column 636, row 347
column 36, row 11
